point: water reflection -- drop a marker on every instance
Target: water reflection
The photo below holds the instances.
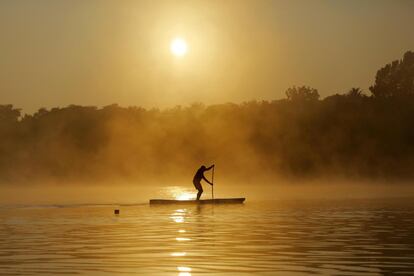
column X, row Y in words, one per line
column 178, row 254
column 182, row 239
column 178, row 219
column 310, row 237
column 184, row 271
column 178, row 215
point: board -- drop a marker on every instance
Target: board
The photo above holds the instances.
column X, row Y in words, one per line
column 201, row 201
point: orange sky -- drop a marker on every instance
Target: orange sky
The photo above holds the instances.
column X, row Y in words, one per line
column 56, row 53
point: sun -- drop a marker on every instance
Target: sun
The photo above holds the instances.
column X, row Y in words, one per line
column 178, row 47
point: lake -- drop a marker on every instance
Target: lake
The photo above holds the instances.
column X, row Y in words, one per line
column 302, row 237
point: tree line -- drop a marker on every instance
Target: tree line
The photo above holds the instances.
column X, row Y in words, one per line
column 351, row 134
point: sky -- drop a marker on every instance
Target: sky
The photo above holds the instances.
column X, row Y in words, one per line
column 97, row 52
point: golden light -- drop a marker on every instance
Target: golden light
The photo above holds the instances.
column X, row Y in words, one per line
column 178, row 219
column 178, row 47
column 184, row 196
column 178, row 254
column 183, row 268
column 182, row 239
column 180, row 193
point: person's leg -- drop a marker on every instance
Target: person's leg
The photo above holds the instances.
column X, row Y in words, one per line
column 199, row 188
column 200, row 191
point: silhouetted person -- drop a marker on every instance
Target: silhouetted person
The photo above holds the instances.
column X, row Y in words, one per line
column 197, row 179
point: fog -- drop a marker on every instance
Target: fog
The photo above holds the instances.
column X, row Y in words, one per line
column 268, row 150
column 349, row 144
column 140, row 193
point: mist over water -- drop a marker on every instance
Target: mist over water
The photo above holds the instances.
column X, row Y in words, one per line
column 135, row 193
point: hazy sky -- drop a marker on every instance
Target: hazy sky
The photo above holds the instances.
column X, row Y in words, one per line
column 56, row 53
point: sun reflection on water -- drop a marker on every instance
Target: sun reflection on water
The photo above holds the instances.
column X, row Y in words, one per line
column 178, row 254
column 184, row 271
column 182, row 239
column 178, row 219
column 178, row 216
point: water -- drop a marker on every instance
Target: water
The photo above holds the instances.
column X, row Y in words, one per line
column 355, row 237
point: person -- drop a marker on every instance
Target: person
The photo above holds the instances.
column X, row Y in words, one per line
column 198, row 177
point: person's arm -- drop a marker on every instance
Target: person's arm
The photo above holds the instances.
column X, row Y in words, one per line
column 209, row 168
column 205, row 179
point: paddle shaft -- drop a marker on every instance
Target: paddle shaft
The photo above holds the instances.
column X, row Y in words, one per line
column 212, row 186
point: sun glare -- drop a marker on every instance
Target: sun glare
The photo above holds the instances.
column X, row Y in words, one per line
column 184, row 196
column 178, row 47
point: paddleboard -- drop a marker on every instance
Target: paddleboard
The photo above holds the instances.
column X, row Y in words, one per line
column 201, row 201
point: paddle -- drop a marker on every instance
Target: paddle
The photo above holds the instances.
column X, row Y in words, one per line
column 212, row 185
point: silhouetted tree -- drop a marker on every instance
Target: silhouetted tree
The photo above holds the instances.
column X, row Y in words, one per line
column 355, row 93
column 395, row 79
column 302, row 93
column 9, row 114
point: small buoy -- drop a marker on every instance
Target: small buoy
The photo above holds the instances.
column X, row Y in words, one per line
column 116, row 212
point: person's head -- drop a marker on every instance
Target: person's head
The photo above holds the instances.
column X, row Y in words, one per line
column 203, row 168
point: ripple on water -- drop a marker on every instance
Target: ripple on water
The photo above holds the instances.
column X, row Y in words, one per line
column 296, row 238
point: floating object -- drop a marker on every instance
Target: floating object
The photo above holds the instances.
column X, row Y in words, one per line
column 201, row 201
column 116, row 211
